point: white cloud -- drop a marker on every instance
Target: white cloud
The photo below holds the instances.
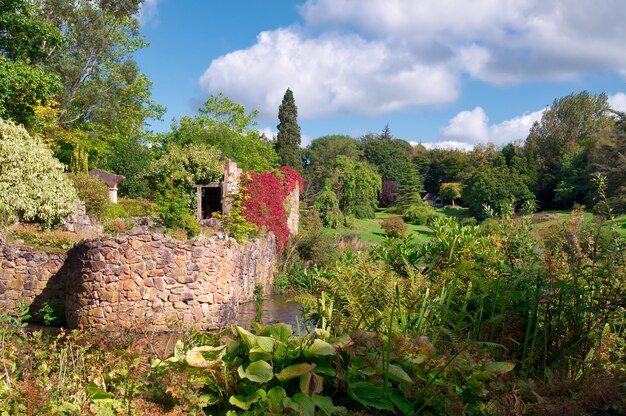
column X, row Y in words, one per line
column 446, row 144
column 376, row 56
column 519, row 39
column 329, row 74
column 617, row 101
column 148, row 13
column 269, row 132
column 473, row 127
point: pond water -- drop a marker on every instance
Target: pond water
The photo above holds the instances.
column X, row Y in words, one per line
column 276, row 308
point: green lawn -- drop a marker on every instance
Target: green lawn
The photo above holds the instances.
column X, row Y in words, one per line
column 369, row 230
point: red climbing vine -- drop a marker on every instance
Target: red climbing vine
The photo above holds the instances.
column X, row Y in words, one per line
column 264, row 205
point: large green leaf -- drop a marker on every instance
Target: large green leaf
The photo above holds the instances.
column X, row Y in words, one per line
column 248, row 337
column 325, row 404
column 196, row 359
column 257, row 354
column 370, row 395
column 244, row 402
column 258, row 371
column 96, row 393
column 499, row 367
column 396, row 373
column 318, row 348
column 265, row 343
column 302, row 404
column 281, row 331
column 294, row 371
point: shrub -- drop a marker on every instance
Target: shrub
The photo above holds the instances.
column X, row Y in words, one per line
column 419, row 214
column 33, row 235
column 362, row 211
column 93, row 192
column 115, row 211
column 394, row 226
column 190, row 224
column 32, row 182
column 138, row 207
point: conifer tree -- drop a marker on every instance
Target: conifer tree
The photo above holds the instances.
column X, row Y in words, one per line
column 288, row 138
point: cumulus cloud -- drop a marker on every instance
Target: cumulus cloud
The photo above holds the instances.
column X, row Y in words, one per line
column 329, row 74
column 472, row 127
column 446, row 144
column 376, row 56
column 148, row 12
column 617, row 101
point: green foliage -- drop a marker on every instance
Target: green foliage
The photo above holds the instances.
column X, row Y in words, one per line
column 320, row 157
column 354, row 183
column 288, row 138
column 327, row 204
column 392, row 159
column 114, row 211
column 93, row 192
column 450, row 191
column 571, row 125
column 190, row 224
column 33, row 235
column 52, row 314
column 268, row 369
column 394, row 226
column 418, row 214
column 362, row 211
column 138, row 207
column 132, row 159
column 225, row 125
column 32, row 181
column 235, row 224
column 175, row 175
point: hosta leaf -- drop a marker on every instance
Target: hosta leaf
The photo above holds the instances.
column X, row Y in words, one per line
column 319, row 347
column 96, row 393
column 294, row 371
column 400, row 401
column 499, row 367
column 244, row 402
column 302, row 404
column 369, row 395
column 258, row 371
column 248, row 338
column 196, row 359
column 325, row 404
column 257, row 354
column 265, row 343
column 281, row 331
column 276, row 395
column 396, row 373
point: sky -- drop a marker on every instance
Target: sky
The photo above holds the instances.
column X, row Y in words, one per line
column 445, row 73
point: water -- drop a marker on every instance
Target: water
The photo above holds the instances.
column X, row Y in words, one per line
column 276, row 308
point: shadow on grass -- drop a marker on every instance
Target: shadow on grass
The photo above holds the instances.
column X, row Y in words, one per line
column 455, row 212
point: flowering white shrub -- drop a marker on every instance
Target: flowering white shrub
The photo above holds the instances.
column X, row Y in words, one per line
column 32, row 182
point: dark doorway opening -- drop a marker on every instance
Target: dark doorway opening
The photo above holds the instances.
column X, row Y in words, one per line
column 211, row 201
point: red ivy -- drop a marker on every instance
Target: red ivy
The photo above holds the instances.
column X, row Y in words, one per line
column 264, row 205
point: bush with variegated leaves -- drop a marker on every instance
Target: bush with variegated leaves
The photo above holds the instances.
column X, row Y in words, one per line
column 32, row 181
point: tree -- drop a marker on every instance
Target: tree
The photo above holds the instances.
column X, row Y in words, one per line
column 320, row 157
column 450, row 191
column 25, row 38
column 32, row 182
column 495, row 187
column 392, row 159
column 288, row 138
column 356, row 186
column 225, row 125
column 572, row 124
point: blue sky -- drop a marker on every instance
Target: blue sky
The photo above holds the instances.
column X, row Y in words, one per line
column 441, row 72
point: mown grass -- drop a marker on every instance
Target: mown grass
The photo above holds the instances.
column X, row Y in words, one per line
column 370, row 231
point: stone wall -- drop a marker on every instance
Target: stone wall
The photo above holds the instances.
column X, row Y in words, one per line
column 148, row 278
column 30, row 276
column 80, row 222
column 139, row 277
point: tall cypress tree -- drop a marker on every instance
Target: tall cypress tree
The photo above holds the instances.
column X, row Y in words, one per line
column 288, row 139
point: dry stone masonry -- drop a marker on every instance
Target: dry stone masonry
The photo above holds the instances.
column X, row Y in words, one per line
column 30, row 276
column 141, row 277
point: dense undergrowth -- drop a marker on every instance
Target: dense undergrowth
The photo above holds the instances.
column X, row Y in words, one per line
column 490, row 319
